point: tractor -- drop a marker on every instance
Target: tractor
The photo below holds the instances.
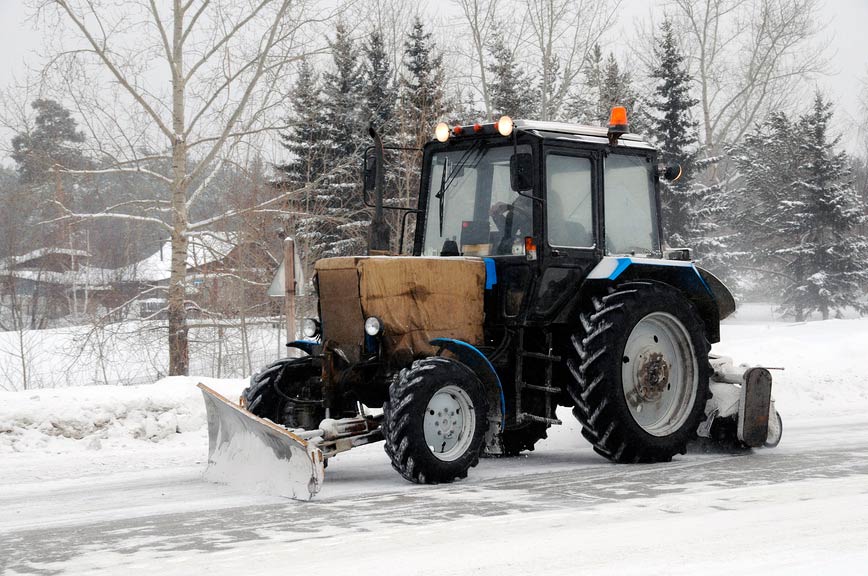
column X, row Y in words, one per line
column 538, row 278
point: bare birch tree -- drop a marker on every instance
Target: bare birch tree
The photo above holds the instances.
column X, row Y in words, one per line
column 562, row 35
column 747, row 57
column 481, row 19
column 170, row 90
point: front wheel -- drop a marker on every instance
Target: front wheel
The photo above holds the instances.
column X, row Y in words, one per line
column 287, row 392
column 435, row 421
column 641, row 373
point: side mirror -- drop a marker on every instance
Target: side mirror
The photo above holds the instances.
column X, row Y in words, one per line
column 670, row 172
column 521, row 172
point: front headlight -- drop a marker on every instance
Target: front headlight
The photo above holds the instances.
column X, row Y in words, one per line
column 310, row 328
column 373, row 326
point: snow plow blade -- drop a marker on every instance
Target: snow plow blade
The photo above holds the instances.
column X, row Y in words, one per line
column 258, row 454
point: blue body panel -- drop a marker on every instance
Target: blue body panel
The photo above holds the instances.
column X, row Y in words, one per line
column 684, row 268
column 490, row 273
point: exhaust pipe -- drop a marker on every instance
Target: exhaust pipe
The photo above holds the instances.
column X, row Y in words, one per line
column 378, row 241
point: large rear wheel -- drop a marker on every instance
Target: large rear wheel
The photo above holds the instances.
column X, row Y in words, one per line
column 640, row 373
column 435, row 421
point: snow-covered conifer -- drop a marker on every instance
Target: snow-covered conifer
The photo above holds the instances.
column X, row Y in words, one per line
column 829, row 264
column 674, row 130
column 512, row 90
column 422, row 103
column 304, row 137
column 799, row 213
column 380, row 92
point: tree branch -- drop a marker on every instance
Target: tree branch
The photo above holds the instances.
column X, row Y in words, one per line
column 144, row 171
column 102, row 216
column 115, row 71
column 228, row 36
column 163, row 36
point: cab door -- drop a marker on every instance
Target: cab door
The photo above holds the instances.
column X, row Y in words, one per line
column 570, row 230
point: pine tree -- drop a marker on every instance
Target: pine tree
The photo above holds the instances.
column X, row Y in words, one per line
column 422, row 105
column 584, row 104
column 829, row 264
column 343, row 95
column 304, row 138
column 801, row 213
column 589, row 108
column 512, row 90
column 344, row 221
column 762, row 208
column 606, row 86
column 616, row 90
column 51, row 142
column 675, row 133
column 380, row 93
column 422, row 95
column 305, row 141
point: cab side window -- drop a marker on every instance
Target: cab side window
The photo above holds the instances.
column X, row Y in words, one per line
column 631, row 213
column 569, row 205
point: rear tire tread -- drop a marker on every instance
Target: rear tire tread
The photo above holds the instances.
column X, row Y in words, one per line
column 596, row 374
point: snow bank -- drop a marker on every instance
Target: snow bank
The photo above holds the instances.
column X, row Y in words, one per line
column 824, row 362
column 825, row 375
column 89, row 417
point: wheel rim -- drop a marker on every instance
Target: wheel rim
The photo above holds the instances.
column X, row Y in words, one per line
column 449, row 423
column 659, row 374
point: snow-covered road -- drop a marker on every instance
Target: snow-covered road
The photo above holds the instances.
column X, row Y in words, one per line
column 125, row 496
column 801, row 508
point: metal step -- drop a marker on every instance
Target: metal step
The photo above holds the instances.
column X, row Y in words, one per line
column 541, row 356
column 525, row 417
column 546, row 389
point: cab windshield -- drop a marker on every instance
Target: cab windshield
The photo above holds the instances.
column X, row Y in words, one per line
column 472, row 205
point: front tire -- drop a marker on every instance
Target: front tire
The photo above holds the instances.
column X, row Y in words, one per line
column 517, row 440
column 641, row 373
column 435, row 421
column 287, row 392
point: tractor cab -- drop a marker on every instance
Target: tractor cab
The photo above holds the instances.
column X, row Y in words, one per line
column 541, row 185
column 545, row 201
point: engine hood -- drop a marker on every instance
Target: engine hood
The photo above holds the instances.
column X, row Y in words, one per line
column 416, row 298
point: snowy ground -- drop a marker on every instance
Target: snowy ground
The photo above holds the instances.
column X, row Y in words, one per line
column 104, row 480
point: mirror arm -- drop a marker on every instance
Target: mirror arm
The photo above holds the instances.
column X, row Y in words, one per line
column 404, row 227
column 365, row 199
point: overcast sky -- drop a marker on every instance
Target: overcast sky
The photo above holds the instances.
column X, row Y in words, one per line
column 847, row 34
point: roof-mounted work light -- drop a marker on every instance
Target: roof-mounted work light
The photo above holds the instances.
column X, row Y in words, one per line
column 617, row 124
column 504, row 126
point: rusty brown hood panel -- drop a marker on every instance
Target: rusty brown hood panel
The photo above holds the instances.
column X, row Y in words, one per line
column 417, row 298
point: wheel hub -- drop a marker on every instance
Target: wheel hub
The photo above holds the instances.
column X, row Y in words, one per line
column 653, row 376
column 659, row 374
column 448, row 423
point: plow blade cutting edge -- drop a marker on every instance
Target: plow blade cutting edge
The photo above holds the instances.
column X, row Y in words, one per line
column 257, row 454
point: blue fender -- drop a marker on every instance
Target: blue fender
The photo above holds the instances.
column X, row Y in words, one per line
column 309, row 347
column 474, row 359
column 712, row 298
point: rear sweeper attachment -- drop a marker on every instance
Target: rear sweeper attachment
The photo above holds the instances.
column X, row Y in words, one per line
column 537, row 279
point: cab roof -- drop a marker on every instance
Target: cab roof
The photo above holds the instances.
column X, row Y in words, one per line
column 578, row 133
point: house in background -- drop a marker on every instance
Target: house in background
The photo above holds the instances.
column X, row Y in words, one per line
column 227, row 276
column 51, row 283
